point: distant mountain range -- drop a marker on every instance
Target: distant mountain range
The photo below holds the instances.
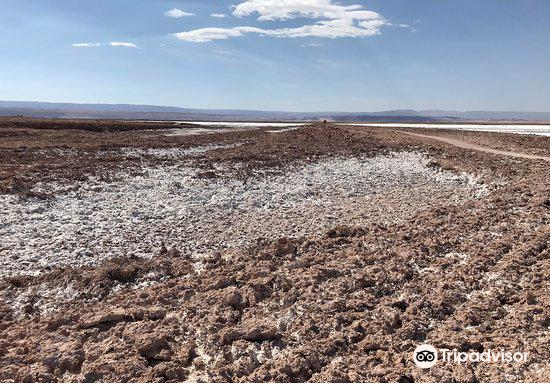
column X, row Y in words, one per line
column 152, row 112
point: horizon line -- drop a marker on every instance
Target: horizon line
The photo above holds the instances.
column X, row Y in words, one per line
column 277, row 110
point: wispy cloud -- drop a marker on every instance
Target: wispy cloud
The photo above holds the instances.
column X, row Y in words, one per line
column 86, row 45
column 404, row 26
column 312, row 45
column 335, row 20
column 177, row 13
column 208, row 34
column 218, row 15
column 408, row 26
column 123, row 44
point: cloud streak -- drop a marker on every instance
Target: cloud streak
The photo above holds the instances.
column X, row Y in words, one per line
column 218, row 15
column 334, row 21
column 177, row 13
column 122, row 44
column 86, row 45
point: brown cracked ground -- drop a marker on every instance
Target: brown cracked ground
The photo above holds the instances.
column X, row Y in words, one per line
column 348, row 305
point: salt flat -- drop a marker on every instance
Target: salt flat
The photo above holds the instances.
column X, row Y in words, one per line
column 244, row 124
column 136, row 214
column 541, row 130
column 324, row 245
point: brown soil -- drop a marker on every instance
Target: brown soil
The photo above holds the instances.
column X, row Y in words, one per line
column 67, row 151
column 348, row 306
column 532, row 144
column 480, row 148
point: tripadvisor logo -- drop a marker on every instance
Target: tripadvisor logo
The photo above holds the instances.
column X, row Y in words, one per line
column 426, row 356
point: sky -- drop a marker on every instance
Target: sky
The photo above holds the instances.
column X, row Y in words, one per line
column 291, row 55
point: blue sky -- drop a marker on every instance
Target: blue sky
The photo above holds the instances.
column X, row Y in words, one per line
column 385, row 54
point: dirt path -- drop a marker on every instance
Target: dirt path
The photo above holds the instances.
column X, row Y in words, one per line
column 467, row 145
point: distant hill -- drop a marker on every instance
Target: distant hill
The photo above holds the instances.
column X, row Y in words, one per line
column 154, row 112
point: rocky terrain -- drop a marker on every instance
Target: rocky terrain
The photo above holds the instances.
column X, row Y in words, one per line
column 310, row 254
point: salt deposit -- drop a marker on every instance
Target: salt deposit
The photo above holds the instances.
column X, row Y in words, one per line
column 244, row 124
column 541, row 130
column 137, row 213
column 173, row 153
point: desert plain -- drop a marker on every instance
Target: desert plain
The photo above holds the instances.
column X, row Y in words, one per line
column 173, row 252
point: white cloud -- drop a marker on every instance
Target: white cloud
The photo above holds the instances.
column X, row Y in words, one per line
column 335, row 20
column 289, row 9
column 86, row 45
column 218, row 15
column 208, row 34
column 312, row 45
column 177, row 13
column 121, row 44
